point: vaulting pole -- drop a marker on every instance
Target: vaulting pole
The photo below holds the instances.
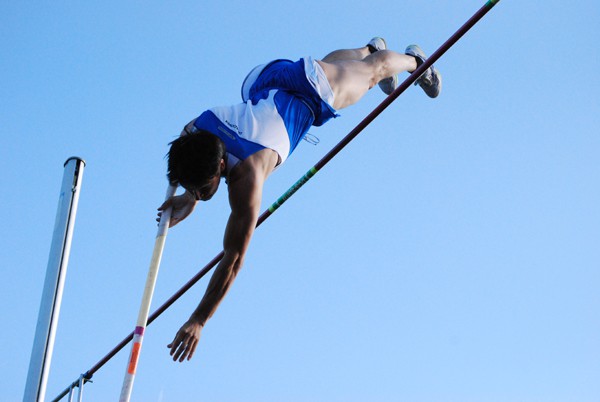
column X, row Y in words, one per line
column 138, row 337
column 311, row 172
column 56, row 272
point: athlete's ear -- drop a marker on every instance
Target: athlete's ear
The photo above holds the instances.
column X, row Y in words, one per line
column 222, row 164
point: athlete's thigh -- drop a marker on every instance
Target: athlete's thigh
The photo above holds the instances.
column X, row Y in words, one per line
column 349, row 80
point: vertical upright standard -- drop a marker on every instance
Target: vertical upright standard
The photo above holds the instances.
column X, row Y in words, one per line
column 43, row 344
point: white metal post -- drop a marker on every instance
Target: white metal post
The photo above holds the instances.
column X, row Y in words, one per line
column 43, row 344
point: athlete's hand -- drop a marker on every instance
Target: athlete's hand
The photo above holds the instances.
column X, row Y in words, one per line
column 185, row 342
column 182, row 205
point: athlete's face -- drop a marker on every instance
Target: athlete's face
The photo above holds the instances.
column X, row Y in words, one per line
column 206, row 190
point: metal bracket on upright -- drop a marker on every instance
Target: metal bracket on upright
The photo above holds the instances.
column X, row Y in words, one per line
column 83, row 378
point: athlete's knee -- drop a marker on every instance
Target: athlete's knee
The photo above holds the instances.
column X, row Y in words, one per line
column 381, row 64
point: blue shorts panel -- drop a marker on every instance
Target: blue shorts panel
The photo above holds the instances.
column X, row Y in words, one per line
column 296, row 116
column 285, row 75
column 289, row 76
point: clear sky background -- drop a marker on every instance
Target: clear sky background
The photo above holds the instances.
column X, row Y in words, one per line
column 449, row 253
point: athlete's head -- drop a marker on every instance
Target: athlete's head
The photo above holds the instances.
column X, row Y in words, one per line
column 195, row 162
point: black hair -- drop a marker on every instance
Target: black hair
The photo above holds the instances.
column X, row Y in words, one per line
column 194, row 158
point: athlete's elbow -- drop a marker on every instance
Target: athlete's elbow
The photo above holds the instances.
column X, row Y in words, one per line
column 235, row 259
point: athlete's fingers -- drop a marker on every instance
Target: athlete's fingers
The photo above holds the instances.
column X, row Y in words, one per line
column 182, row 352
column 165, row 205
column 193, row 349
column 176, row 344
column 178, row 352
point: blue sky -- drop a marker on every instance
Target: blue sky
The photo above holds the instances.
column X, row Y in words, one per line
column 449, row 253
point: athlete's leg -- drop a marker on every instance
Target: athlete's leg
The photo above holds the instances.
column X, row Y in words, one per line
column 387, row 84
column 360, row 53
column 347, row 54
column 351, row 78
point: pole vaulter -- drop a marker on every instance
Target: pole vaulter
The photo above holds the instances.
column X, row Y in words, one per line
column 138, row 334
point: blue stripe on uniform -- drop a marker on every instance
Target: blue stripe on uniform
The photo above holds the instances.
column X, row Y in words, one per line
column 238, row 147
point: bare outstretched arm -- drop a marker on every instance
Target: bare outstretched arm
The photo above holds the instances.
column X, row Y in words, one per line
column 245, row 194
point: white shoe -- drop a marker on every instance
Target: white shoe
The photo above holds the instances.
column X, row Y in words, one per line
column 376, row 44
column 431, row 80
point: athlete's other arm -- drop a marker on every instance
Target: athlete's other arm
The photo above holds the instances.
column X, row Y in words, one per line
column 183, row 205
column 245, row 193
